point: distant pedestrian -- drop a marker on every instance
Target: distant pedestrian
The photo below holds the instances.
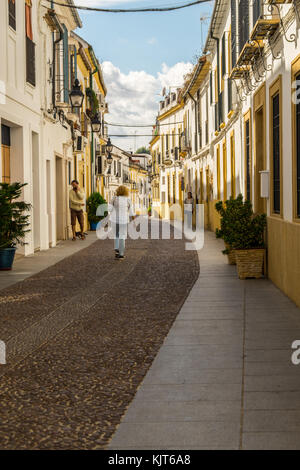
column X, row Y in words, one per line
column 76, row 198
column 188, row 209
column 120, row 216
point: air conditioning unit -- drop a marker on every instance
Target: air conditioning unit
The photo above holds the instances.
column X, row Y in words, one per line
column 79, row 144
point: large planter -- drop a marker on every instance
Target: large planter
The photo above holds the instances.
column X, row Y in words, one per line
column 7, row 258
column 250, row 263
column 230, row 254
column 93, row 225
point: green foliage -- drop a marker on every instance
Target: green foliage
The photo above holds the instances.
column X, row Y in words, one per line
column 143, row 150
column 13, row 218
column 240, row 228
column 149, row 209
column 92, row 203
column 94, row 103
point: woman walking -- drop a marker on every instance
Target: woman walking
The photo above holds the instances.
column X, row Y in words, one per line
column 188, row 209
column 120, row 218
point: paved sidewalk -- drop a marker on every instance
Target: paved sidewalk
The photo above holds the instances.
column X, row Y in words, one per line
column 223, row 378
column 26, row 266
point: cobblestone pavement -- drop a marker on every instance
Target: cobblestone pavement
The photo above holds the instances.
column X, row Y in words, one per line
column 81, row 336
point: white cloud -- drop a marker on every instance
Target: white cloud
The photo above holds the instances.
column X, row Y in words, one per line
column 133, row 99
column 152, row 41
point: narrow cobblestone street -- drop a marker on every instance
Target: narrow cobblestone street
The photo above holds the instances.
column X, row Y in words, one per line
column 76, row 358
column 222, row 379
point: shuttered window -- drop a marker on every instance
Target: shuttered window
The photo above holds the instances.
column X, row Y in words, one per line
column 233, row 33
column 276, row 152
column 229, row 94
column 12, row 14
column 298, row 148
column 243, row 23
column 248, row 160
column 220, row 108
column 66, row 64
column 30, row 46
column 256, row 9
column 223, row 72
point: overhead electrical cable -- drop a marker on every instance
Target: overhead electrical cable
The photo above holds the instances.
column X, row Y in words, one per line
column 142, row 135
column 142, row 125
column 129, row 10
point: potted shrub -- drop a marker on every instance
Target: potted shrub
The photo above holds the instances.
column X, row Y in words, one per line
column 231, row 211
column 13, row 222
column 249, row 246
column 92, row 204
column 149, row 211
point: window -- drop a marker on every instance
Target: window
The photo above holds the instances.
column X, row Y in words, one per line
column 223, row 72
column 243, row 23
column 5, row 153
column 174, row 188
column 229, row 94
column 256, row 10
column 296, row 136
column 199, row 119
column 232, row 159
column 30, row 46
column 69, row 173
column 218, row 173
column 233, row 33
column 201, row 186
column 12, row 14
column 248, row 160
column 298, row 147
column 224, row 171
column 276, row 153
column 275, row 146
column 220, row 108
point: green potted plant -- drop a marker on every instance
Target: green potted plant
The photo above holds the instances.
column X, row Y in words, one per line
column 231, row 211
column 13, row 222
column 249, row 246
column 92, row 204
column 149, row 211
column 94, row 102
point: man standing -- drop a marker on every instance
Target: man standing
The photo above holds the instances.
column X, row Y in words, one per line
column 76, row 197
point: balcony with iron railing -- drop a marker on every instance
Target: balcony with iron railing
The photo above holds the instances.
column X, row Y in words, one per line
column 265, row 25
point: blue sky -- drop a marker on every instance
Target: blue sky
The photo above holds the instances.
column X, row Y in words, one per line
column 141, row 53
column 143, row 41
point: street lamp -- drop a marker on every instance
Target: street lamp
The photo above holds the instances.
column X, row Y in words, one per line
column 109, row 146
column 109, row 149
column 96, row 124
column 76, row 95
